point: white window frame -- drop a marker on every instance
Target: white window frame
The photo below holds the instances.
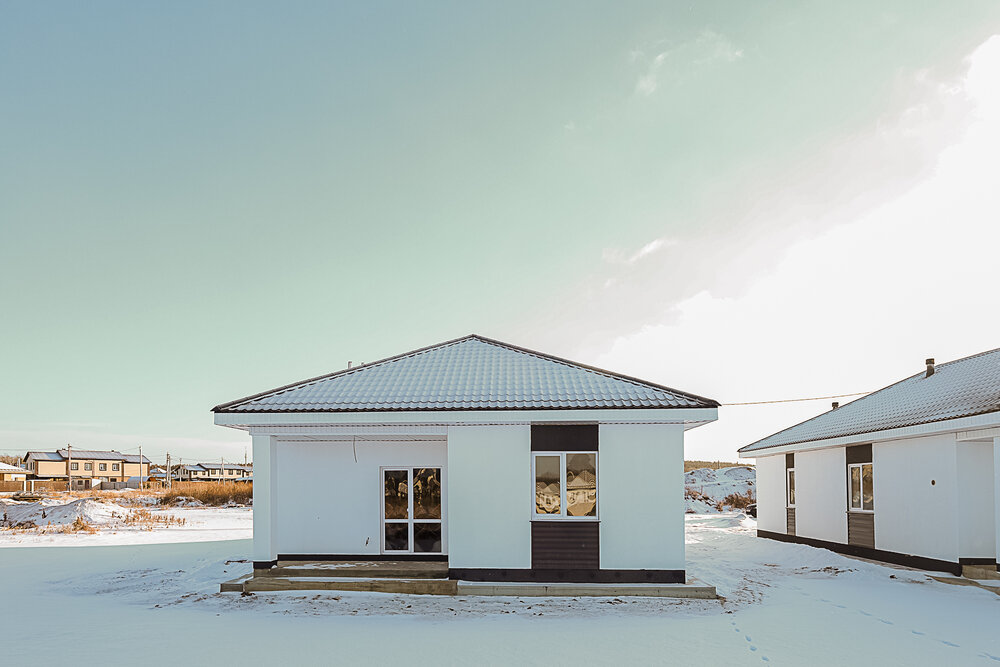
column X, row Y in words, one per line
column 74, row 466
column 789, row 474
column 851, row 508
column 410, row 520
column 562, row 516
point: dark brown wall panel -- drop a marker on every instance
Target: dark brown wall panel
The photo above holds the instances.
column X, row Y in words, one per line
column 790, row 520
column 564, row 438
column 861, row 529
column 859, row 454
column 565, row 545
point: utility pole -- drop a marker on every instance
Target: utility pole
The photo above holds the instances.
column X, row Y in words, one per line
column 69, row 467
column 222, row 470
column 140, row 466
column 168, row 470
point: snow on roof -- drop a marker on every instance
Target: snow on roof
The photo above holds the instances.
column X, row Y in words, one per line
column 960, row 388
column 7, row 468
column 470, row 373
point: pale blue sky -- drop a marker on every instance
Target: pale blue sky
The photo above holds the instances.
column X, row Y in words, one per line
column 199, row 201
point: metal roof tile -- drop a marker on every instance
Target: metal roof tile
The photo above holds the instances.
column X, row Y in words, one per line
column 470, row 373
column 960, row 388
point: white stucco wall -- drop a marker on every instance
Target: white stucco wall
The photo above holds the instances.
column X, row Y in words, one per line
column 771, row 493
column 489, row 496
column 641, row 496
column 263, row 498
column 974, row 512
column 330, row 504
column 912, row 516
column 821, row 494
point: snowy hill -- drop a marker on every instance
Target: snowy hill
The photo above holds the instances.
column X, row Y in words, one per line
column 706, row 489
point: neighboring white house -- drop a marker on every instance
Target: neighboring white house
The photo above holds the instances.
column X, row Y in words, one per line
column 509, row 464
column 909, row 474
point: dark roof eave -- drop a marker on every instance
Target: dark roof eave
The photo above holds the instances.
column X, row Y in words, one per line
column 713, row 404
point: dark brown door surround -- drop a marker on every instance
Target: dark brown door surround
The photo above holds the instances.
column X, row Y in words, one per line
column 789, row 511
column 860, row 524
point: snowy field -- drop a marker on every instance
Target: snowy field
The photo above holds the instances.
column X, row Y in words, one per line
column 784, row 604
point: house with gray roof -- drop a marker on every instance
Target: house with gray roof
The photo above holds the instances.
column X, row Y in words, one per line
column 86, row 468
column 908, row 474
column 505, row 464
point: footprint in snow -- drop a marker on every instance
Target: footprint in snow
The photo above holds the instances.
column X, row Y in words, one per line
column 748, row 638
column 917, row 632
column 950, row 644
column 840, row 606
column 990, row 656
column 882, row 620
column 765, row 658
column 865, row 613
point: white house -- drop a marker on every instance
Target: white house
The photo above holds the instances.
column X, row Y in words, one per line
column 909, row 474
column 508, row 464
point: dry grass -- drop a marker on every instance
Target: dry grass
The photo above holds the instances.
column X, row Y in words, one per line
column 714, row 465
column 79, row 525
column 209, row 493
column 739, row 501
column 146, row 520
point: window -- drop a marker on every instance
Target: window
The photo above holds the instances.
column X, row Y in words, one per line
column 114, row 466
column 230, row 472
column 102, row 466
column 862, row 487
column 74, row 466
column 88, row 466
column 790, row 487
column 565, row 485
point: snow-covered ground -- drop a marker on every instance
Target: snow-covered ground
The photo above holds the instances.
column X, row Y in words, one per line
column 706, row 489
column 785, row 604
column 117, row 524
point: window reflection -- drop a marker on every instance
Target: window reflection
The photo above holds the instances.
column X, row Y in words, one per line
column 868, row 491
column 547, row 491
column 396, row 498
column 581, row 484
column 856, row 487
column 426, row 493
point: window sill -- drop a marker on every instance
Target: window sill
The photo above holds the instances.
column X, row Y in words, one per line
column 565, row 518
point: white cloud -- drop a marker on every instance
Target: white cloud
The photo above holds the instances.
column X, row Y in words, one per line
column 708, row 48
column 617, row 256
column 853, row 308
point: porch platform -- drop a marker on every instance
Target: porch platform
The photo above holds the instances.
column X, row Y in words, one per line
column 431, row 578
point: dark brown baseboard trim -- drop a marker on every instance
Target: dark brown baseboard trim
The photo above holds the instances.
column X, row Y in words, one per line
column 569, row 576
column 919, row 562
column 975, row 561
column 437, row 558
column 264, row 564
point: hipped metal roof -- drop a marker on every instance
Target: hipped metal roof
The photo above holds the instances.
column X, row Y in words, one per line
column 960, row 388
column 470, row 373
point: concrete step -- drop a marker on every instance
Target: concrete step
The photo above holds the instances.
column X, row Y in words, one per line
column 691, row 590
column 364, row 569
column 259, row 584
column 980, row 572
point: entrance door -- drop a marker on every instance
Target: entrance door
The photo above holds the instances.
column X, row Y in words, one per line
column 411, row 510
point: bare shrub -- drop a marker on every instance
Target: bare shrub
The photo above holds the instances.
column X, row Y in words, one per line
column 147, row 520
column 739, row 501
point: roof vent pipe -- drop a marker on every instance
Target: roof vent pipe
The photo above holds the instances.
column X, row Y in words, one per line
column 835, row 405
column 930, row 367
column 348, row 365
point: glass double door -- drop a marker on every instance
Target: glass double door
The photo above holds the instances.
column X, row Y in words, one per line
column 411, row 510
